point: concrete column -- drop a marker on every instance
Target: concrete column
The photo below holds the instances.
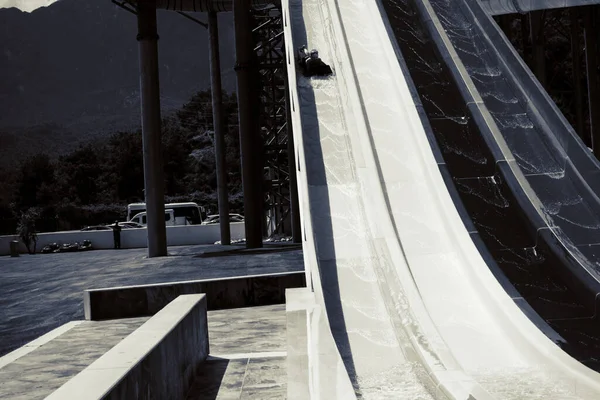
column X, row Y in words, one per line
column 217, row 107
column 591, row 60
column 151, row 135
column 249, row 135
column 536, row 29
column 576, row 56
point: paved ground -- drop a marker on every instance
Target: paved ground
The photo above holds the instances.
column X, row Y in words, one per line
column 247, row 347
column 248, row 355
column 37, row 374
column 41, row 292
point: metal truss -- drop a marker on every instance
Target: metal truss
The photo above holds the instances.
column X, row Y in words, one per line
column 272, row 112
column 131, row 6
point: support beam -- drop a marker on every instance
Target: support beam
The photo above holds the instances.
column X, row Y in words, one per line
column 151, row 134
column 591, row 60
column 249, row 135
column 576, row 56
column 217, row 106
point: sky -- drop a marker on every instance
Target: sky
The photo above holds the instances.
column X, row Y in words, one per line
column 25, row 5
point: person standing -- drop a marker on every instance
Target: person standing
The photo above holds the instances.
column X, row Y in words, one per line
column 117, row 235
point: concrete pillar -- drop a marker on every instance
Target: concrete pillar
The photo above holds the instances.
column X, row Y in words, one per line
column 576, row 56
column 591, row 60
column 217, row 107
column 151, row 135
column 249, row 134
column 536, row 29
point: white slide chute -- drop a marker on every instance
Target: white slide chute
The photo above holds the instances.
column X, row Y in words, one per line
column 412, row 306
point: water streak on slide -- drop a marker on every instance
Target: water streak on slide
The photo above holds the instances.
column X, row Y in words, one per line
column 406, row 303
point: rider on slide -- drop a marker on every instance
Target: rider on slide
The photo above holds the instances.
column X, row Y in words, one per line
column 311, row 64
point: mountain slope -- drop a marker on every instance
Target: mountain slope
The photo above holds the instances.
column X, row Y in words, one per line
column 70, row 72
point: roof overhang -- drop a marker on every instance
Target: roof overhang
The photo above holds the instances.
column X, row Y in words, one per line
column 499, row 7
column 174, row 5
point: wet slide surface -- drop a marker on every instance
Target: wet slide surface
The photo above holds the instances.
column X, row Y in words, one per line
column 524, row 256
column 345, row 280
column 556, row 164
column 399, row 288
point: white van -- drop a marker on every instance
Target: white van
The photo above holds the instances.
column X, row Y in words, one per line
column 188, row 213
column 141, row 218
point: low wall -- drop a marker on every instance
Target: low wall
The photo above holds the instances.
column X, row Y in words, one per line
column 298, row 303
column 145, row 300
column 159, row 360
column 131, row 238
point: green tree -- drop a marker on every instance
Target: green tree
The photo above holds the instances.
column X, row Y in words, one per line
column 79, row 172
column 176, row 149
column 26, row 229
column 124, row 176
column 35, row 173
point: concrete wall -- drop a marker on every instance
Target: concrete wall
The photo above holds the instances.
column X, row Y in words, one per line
column 131, row 238
column 144, row 300
column 298, row 303
column 159, row 360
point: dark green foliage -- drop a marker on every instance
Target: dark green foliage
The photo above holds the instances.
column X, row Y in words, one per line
column 78, row 174
column 36, row 181
column 26, row 229
column 94, row 183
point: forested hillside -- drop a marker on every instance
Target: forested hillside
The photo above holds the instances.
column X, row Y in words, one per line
column 94, row 183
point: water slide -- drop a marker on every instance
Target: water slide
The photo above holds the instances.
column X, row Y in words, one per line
column 427, row 243
column 543, row 171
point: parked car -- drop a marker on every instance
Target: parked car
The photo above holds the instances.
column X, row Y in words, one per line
column 96, row 228
column 170, row 220
column 127, row 225
column 214, row 219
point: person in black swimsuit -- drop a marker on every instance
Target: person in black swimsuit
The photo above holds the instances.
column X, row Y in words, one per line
column 117, row 235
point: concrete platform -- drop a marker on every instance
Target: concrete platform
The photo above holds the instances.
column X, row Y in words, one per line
column 259, row 378
column 247, row 355
column 38, row 373
column 41, row 292
column 159, row 360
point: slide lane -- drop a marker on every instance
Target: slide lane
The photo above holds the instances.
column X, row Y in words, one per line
column 438, row 251
column 340, row 251
column 565, row 176
column 426, row 278
column 543, row 172
column 506, row 214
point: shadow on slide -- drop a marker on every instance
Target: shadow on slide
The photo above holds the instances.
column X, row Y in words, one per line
column 322, row 226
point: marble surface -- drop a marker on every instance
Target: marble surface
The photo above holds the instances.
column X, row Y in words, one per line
column 159, row 360
column 37, row 374
column 247, row 330
column 247, row 346
column 242, row 378
column 43, row 291
column 247, row 355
